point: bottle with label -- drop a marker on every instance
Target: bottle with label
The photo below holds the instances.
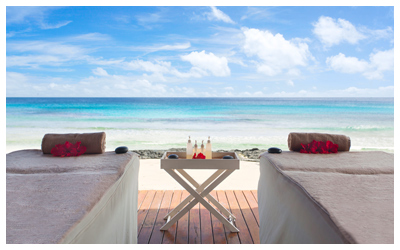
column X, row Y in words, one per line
column 202, row 147
column 189, row 149
column 208, row 149
column 195, row 147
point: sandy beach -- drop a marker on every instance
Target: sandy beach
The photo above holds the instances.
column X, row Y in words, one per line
column 151, row 177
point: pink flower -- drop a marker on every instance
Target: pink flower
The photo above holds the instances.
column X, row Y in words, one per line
column 319, row 147
column 68, row 149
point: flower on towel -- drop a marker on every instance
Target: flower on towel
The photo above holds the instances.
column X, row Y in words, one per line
column 68, row 149
column 199, row 156
column 319, row 147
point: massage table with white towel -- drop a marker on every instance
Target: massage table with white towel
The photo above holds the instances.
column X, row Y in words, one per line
column 87, row 199
column 346, row 197
column 343, row 197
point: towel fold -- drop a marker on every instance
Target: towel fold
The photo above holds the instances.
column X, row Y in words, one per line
column 295, row 140
column 95, row 143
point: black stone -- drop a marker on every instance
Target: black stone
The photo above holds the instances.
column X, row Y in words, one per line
column 121, row 150
column 173, row 156
column 274, row 150
column 227, row 157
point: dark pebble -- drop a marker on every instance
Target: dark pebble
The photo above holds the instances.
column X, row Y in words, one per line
column 121, row 150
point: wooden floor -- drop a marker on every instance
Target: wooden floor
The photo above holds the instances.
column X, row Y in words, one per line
column 198, row 226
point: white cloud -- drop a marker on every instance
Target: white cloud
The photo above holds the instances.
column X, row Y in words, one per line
column 379, row 62
column 275, row 52
column 203, row 63
column 218, row 15
column 49, row 48
column 332, row 32
column 257, row 13
column 24, row 85
column 47, row 26
column 100, row 72
column 34, row 61
column 157, row 67
column 95, row 36
column 32, row 14
column 290, row 83
column 387, row 91
column 345, row 64
column 176, row 46
column 38, row 53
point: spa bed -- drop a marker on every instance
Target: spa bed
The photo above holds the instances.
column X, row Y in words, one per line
column 332, row 198
column 87, row 199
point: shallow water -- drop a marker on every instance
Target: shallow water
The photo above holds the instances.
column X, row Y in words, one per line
column 232, row 123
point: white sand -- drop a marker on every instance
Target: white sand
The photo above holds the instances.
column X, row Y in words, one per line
column 151, row 177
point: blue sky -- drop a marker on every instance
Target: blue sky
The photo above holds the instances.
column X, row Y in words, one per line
column 223, row 51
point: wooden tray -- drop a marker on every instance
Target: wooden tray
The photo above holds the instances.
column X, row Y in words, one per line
column 215, row 163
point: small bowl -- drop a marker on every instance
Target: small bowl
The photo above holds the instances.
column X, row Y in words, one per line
column 227, row 157
column 173, row 156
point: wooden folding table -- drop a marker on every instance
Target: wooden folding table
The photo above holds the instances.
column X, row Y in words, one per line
column 176, row 168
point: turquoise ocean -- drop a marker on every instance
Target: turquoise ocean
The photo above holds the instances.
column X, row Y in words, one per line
column 232, row 123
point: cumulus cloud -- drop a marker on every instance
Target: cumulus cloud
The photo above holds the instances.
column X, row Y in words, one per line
column 332, row 32
column 379, row 62
column 348, row 64
column 100, row 72
column 218, row 15
column 275, row 52
column 204, row 63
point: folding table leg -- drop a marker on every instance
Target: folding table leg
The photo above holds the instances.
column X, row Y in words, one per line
column 199, row 198
column 190, row 197
column 208, row 196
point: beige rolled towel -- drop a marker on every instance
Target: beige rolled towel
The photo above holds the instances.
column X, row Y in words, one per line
column 95, row 143
column 295, row 140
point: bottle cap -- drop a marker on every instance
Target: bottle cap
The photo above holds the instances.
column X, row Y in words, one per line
column 189, row 141
column 208, row 140
column 202, row 145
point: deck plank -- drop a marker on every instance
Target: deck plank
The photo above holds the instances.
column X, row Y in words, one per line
column 148, row 224
column 232, row 238
column 253, row 205
column 254, row 192
column 244, row 233
column 194, row 225
column 144, row 208
column 169, row 235
column 182, row 232
column 197, row 226
column 157, row 235
column 218, row 227
column 248, row 216
column 141, row 196
column 206, row 226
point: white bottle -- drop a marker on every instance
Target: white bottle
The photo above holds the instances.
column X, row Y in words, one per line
column 195, row 147
column 208, row 149
column 189, row 150
column 202, row 147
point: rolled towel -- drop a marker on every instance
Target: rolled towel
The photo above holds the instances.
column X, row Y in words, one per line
column 95, row 143
column 295, row 140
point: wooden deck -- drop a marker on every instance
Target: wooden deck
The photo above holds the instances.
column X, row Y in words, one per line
column 198, row 226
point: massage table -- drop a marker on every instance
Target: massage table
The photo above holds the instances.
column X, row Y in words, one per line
column 346, row 197
column 91, row 198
